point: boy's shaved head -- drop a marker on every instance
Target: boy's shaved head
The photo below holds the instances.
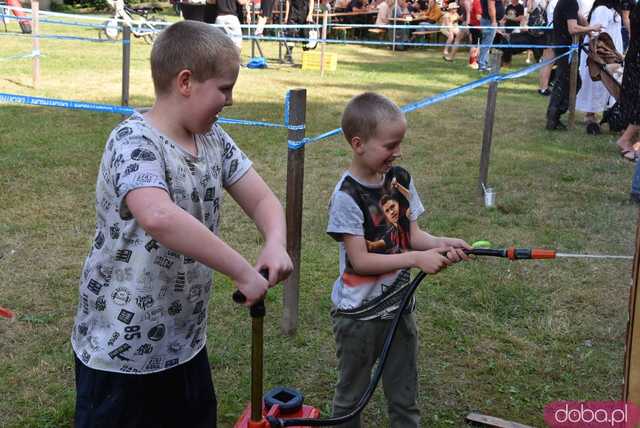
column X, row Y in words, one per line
column 192, row 45
column 365, row 112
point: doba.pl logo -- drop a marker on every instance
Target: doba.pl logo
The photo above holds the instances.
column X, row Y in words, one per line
column 591, row 414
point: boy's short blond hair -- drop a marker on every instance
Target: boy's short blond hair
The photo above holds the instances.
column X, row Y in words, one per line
column 204, row 50
column 365, row 112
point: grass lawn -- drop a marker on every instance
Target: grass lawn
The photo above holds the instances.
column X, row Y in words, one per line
column 498, row 337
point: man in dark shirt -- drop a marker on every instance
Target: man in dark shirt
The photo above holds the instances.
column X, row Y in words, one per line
column 297, row 12
column 492, row 12
column 566, row 22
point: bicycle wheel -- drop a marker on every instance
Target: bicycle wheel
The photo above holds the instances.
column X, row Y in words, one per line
column 111, row 29
column 151, row 28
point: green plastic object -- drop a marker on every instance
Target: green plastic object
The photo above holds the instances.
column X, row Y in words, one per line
column 481, row 244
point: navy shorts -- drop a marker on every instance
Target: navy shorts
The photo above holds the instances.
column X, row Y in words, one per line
column 182, row 396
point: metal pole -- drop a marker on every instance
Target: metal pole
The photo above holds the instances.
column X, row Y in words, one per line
column 489, row 119
column 257, row 348
column 295, row 179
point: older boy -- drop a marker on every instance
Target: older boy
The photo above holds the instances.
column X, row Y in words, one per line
column 373, row 213
column 140, row 329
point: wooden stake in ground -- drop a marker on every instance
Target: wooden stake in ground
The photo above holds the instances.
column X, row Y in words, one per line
column 631, row 387
column 573, row 85
column 35, row 23
column 489, row 119
column 295, row 178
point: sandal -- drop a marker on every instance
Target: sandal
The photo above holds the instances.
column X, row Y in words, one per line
column 632, row 154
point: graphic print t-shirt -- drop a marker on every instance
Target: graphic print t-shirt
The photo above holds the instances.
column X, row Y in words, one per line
column 382, row 214
column 143, row 307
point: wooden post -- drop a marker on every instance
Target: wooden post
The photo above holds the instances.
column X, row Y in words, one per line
column 631, row 387
column 489, row 118
column 35, row 23
column 573, row 84
column 325, row 18
column 295, row 178
column 126, row 62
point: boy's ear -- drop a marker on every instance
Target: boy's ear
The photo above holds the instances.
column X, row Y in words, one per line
column 184, row 81
column 357, row 144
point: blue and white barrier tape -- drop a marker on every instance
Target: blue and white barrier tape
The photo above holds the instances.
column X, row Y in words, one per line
column 57, row 37
column 106, row 108
column 21, row 56
column 442, row 96
column 74, row 105
column 397, row 43
column 51, row 21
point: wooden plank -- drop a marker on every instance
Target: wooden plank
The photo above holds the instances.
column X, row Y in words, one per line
column 573, row 85
column 492, row 421
column 295, row 179
column 631, row 387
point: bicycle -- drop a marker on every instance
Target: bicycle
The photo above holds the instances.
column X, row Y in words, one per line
column 145, row 25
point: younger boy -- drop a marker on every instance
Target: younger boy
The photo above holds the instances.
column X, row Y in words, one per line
column 373, row 213
column 140, row 330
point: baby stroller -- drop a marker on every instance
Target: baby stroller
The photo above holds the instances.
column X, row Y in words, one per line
column 605, row 64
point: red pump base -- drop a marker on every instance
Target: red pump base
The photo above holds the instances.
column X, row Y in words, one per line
column 244, row 421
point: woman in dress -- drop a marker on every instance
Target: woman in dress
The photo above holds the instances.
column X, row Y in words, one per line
column 593, row 97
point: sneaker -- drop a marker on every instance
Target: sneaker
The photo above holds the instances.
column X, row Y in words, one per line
column 473, row 65
column 593, row 128
column 544, row 92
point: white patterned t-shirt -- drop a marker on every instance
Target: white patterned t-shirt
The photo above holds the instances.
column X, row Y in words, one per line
column 143, row 307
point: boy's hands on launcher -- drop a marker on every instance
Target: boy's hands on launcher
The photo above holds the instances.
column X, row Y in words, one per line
column 431, row 261
column 456, row 252
column 276, row 260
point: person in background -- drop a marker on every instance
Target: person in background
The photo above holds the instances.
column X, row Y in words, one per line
column 297, row 12
column 566, row 23
column 471, row 14
column 227, row 17
column 630, row 93
column 593, row 97
column 492, row 12
column 513, row 16
column 450, row 29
